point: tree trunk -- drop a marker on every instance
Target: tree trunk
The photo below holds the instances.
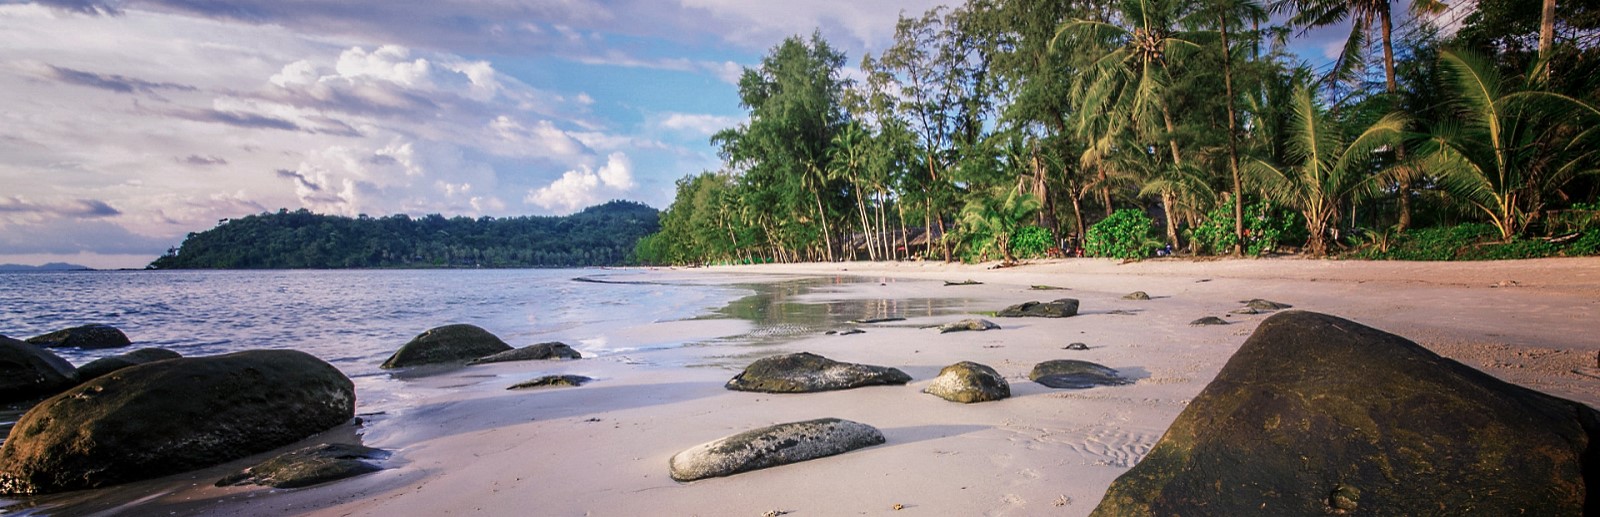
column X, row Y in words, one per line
column 1177, row 161
column 1077, row 216
column 1547, row 34
column 827, row 234
column 1400, row 152
column 1233, row 146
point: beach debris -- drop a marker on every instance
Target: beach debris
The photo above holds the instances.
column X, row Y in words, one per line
column 549, row 381
column 869, row 321
column 1047, row 288
column 1123, row 312
column 1209, row 320
column 1136, row 295
column 964, row 282
column 89, row 336
column 805, row 372
column 967, row 382
column 309, row 466
column 968, row 324
column 1062, row 308
column 1272, row 433
column 28, row 372
column 897, row 507
column 541, row 352
column 105, row 365
column 775, row 513
column 1076, row 346
column 1264, row 305
column 847, row 332
column 172, row 416
column 1063, row 500
column 1075, row 374
column 1203, row 280
column 772, row 446
column 447, row 344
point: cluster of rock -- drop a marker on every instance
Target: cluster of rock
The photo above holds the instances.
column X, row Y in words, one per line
column 28, row 371
column 470, row 344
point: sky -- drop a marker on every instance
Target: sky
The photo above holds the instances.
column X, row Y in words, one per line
column 128, row 124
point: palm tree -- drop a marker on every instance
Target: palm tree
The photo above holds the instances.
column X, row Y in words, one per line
column 1508, row 147
column 847, row 154
column 1226, row 13
column 1324, row 167
column 999, row 212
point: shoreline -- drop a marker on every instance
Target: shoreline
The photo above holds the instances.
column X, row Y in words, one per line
column 463, row 444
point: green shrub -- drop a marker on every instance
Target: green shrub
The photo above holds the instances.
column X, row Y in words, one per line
column 1440, row 243
column 1265, row 228
column 1588, row 244
column 1127, row 234
column 1031, row 242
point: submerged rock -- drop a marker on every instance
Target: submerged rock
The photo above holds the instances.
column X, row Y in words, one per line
column 551, row 381
column 100, row 367
column 1136, row 295
column 90, row 336
column 969, row 382
column 29, row 372
column 805, row 373
column 310, row 466
column 1209, row 320
column 780, row 444
column 172, row 416
column 1075, row 374
column 968, row 324
column 1319, row 415
column 869, row 321
column 1063, row 308
column 447, row 344
column 539, row 352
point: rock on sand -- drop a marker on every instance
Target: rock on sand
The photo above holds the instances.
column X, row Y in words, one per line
column 1062, row 308
column 780, row 444
column 539, row 352
column 447, row 344
column 806, row 372
column 969, row 382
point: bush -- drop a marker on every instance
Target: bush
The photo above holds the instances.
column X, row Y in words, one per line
column 1265, row 228
column 1127, row 234
column 1031, row 242
column 1440, row 243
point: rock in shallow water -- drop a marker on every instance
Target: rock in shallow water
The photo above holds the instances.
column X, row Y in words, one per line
column 1074, row 374
column 552, row 381
column 806, row 372
column 88, row 336
column 780, row 444
column 450, row 343
column 1062, row 308
column 969, row 382
column 539, row 352
column 29, row 372
column 310, row 466
column 172, row 416
column 1318, row 415
column 100, row 367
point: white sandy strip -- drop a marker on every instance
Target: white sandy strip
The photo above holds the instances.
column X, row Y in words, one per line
column 466, row 446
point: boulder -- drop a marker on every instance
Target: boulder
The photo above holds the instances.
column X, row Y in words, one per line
column 1076, row 346
column 1063, row 308
column 780, row 444
column 1074, row 374
column 539, row 352
column 1264, row 305
column 1319, row 415
column 105, row 365
column 806, row 373
column 88, row 336
column 1209, row 320
column 969, row 382
column 29, row 372
column 968, row 324
column 550, row 381
column 1136, row 295
column 172, row 416
column 447, row 344
column 309, row 466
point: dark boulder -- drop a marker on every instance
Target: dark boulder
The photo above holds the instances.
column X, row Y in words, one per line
column 310, row 466
column 105, row 365
column 969, row 382
column 1209, row 320
column 539, row 352
column 552, row 381
column 1265, row 305
column 1074, row 374
column 805, row 373
column 29, row 372
column 966, row 325
column 1318, row 415
column 172, row 416
column 87, row 336
column 1063, row 308
column 447, row 344
column 780, row 444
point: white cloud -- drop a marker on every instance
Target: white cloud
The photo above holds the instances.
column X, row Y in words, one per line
column 700, row 124
column 583, row 187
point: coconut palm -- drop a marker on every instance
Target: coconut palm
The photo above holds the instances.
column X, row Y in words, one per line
column 998, row 213
column 1324, row 167
column 1509, row 147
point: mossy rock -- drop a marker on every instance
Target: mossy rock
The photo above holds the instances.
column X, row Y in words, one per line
column 780, row 444
column 1062, row 308
column 806, row 373
column 1136, row 295
column 969, row 382
column 1319, row 415
column 447, row 344
column 540, row 352
column 90, row 336
column 1265, row 305
column 1075, row 374
column 550, row 381
column 102, row 366
column 1208, row 320
column 313, row 465
column 972, row 324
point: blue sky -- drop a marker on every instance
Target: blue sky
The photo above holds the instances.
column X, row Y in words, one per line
column 130, row 123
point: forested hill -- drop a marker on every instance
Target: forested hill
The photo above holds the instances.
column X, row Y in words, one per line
column 598, row 236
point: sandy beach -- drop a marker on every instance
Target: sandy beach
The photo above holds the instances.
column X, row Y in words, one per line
column 465, row 445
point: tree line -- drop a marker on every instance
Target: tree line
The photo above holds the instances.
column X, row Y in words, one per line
column 602, row 235
column 1005, row 128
